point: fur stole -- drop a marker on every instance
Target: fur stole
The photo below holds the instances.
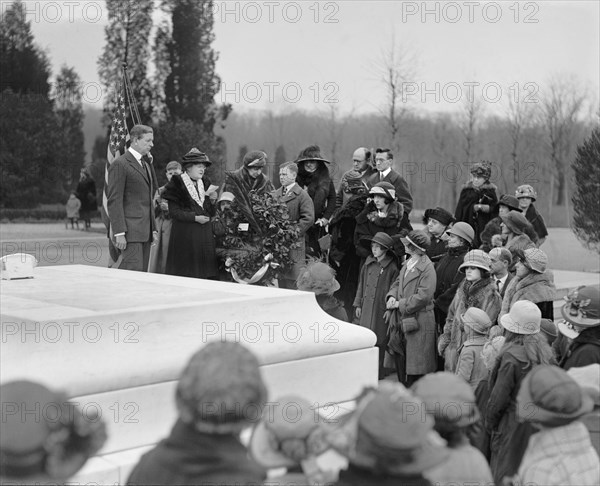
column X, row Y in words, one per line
column 314, row 181
column 392, row 220
column 535, row 287
column 176, row 191
column 350, row 210
column 474, row 294
column 260, row 185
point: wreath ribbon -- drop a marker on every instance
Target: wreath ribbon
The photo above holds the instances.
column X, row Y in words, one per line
column 258, row 275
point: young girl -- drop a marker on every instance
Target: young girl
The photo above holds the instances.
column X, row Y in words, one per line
column 471, row 367
column 437, row 220
column 477, row 199
column 523, row 349
column 376, row 277
column 479, row 290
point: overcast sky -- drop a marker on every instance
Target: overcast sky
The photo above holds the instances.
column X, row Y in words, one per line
column 278, row 55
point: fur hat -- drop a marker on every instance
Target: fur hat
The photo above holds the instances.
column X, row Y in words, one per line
column 289, row 432
column 419, row 239
column 482, row 169
column 383, row 239
column 583, row 307
column 449, row 399
column 526, row 191
column 464, row 230
column 477, row 319
column 550, row 397
column 352, row 182
column 42, row 434
column 439, row 214
column 535, row 259
column 524, row 318
column 318, row 277
column 194, row 156
column 384, row 189
column 476, row 258
column 255, row 159
column 516, row 222
column 221, row 389
column 511, row 202
column 388, row 433
column 311, row 153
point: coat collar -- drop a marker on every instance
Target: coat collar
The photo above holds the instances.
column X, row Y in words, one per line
column 136, row 165
column 384, row 263
column 295, row 191
column 417, row 269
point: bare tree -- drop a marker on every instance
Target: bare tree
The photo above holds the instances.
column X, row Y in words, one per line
column 518, row 118
column 396, row 69
column 559, row 111
column 468, row 123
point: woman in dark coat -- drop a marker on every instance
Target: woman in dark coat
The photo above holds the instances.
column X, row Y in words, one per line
column 523, row 349
column 383, row 213
column 477, row 200
column 314, row 178
column 86, row 193
column 411, row 317
column 192, row 248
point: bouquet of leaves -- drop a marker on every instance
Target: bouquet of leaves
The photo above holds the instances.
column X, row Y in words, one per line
column 259, row 235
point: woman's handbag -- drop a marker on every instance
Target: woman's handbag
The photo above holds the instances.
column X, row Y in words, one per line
column 409, row 324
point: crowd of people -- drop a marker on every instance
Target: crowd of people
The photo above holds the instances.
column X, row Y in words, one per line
column 480, row 382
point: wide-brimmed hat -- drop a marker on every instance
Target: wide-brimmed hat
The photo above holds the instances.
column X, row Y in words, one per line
column 464, row 230
column 417, row 238
column 221, row 389
column 582, row 307
column 526, row 191
column 255, row 159
column 384, row 189
column 549, row 396
column 289, row 432
column 43, row 434
column 226, row 196
column 439, row 214
column 318, row 277
column 477, row 319
column 535, row 259
column 567, row 329
column 194, row 156
column 588, row 378
column 476, row 258
column 482, row 169
column 311, row 153
column 510, row 202
column 389, row 433
column 381, row 238
column 449, row 399
column 524, row 318
column 516, row 222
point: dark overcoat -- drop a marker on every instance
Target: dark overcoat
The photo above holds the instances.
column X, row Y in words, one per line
column 376, row 279
column 465, row 208
column 414, row 292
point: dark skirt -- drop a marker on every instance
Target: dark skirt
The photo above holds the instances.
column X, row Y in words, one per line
column 192, row 250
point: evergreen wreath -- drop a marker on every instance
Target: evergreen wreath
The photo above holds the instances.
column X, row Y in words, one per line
column 262, row 253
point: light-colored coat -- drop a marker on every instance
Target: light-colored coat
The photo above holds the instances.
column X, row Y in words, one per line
column 471, row 367
column 302, row 211
column 454, row 334
column 414, row 291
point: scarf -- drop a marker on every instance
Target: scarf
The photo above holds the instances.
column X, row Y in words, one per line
column 473, row 294
column 190, row 185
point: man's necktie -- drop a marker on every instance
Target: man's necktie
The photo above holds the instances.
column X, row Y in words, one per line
column 284, row 191
column 499, row 285
column 381, row 176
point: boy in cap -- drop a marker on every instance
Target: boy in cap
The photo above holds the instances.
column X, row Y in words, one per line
column 526, row 196
column 561, row 451
column 437, row 221
column 377, row 275
column 471, row 367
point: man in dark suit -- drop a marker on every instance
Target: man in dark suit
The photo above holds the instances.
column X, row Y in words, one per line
column 131, row 188
column 383, row 163
column 501, row 259
column 301, row 211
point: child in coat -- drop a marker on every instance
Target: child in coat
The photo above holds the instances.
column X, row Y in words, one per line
column 377, row 275
column 72, row 207
column 470, row 366
column 526, row 196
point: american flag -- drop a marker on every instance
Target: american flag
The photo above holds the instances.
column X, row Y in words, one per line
column 119, row 137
